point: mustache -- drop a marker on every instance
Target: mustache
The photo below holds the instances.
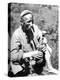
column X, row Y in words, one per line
column 30, row 28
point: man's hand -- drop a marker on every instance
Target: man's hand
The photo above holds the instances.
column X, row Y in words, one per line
column 38, row 55
column 30, row 54
column 43, row 47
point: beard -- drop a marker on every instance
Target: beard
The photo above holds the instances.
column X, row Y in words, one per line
column 29, row 34
column 28, row 31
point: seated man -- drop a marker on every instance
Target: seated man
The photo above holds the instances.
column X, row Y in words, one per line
column 29, row 50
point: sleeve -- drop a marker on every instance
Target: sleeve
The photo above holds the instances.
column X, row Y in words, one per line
column 40, row 38
column 48, row 47
column 16, row 47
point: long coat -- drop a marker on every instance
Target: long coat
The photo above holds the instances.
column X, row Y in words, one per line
column 19, row 44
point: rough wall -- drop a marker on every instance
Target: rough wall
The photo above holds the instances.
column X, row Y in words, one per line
column 45, row 16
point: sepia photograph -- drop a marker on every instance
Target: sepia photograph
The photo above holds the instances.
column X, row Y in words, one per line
column 32, row 39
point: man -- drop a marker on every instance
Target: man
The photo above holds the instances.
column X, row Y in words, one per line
column 30, row 52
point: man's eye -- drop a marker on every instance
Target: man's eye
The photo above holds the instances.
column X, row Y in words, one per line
column 29, row 21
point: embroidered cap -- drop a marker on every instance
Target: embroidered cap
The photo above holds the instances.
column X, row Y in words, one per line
column 25, row 12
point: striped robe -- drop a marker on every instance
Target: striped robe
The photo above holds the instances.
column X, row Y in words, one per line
column 20, row 44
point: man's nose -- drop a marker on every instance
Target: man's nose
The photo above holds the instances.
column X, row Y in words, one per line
column 30, row 23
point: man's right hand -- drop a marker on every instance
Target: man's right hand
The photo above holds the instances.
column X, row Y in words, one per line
column 36, row 54
column 30, row 54
column 39, row 55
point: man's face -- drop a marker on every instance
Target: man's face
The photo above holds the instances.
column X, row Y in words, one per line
column 28, row 21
